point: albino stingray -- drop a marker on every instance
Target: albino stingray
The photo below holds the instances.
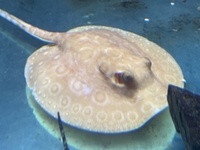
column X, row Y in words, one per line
column 99, row 78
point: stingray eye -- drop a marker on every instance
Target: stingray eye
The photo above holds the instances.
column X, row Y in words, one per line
column 119, row 78
column 122, row 78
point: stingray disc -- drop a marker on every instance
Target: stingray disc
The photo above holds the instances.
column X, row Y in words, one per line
column 102, row 79
column 99, row 78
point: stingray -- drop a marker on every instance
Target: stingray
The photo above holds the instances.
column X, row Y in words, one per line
column 99, row 78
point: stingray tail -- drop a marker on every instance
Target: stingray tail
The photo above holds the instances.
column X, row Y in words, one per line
column 43, row 35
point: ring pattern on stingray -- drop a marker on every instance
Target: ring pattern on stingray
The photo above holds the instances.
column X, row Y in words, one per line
column 79, row 75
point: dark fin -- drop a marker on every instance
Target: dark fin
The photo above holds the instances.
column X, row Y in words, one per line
column 184, row 108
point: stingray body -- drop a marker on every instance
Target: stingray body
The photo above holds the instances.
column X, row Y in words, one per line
column 99, row 78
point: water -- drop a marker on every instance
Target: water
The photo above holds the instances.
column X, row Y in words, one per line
column 174, row 25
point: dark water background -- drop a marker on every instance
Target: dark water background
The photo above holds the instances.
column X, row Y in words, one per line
column 173, row 24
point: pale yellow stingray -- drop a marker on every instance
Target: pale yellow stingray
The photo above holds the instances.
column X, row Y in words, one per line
column 157, row 134
column 99, row 78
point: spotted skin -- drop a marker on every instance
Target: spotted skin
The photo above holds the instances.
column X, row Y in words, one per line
column 76, row 76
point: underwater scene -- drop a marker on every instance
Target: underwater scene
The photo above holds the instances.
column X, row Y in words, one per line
column 94, row 74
